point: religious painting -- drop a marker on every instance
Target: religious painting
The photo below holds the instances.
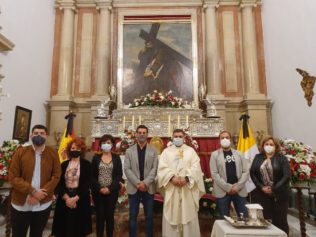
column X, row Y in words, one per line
column 22, row 124
column 157, row 55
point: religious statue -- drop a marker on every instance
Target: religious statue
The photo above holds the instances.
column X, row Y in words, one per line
column 112, row 91
column 58, row 136
column 202, row 92
column 307, row 85
column 101, row 110
column 212, row 112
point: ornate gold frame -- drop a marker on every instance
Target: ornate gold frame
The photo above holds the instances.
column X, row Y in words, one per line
column 122, row 13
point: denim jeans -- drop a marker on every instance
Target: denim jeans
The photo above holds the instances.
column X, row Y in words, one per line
column 239, row 204
column 148, row 202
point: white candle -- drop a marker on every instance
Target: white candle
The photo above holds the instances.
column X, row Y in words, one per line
column 123, row 123
column 139, row 120
column 178, row 121
column 169, row 125
column 133, row 122
column 187, row 120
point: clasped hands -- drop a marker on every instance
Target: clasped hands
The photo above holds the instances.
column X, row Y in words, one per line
column 105, row 191
column 71, row 202
column 233, row 190
column 37, row 196
column 178, row 181
column 267, row 190
column 141, row 186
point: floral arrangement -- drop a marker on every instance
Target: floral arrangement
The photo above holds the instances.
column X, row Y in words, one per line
column 302, row 160
column 127, row 139
column 123, row 197
column 188, row 140
column 208, row 202
column 159, row 99
column 7, row 151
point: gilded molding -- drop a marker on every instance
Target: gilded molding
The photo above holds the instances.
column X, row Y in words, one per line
column 307, row 84
column 5, row 43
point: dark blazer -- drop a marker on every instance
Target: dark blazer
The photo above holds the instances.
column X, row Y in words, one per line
column 117, row 173
column 83, row 224
column 281, row 174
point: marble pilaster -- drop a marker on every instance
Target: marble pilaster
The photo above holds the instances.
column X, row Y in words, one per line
column 251, row 72
column 65, row 72
column 103, row 77
column 212, row 51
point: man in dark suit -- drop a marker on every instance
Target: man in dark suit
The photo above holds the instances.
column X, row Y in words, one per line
column 140, row 166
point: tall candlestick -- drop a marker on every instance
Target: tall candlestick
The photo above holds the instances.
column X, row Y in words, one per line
column 187, row 121
column 139, row 120
column 178, row 121
column 169, row 125
column 123, row 123
column 133, row 122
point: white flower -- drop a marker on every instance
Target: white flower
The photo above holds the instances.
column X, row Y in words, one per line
column 306, row 169
column 204, row 204
column 210, row 189
column 169, row 92
column 136, row 103
column 155, row 91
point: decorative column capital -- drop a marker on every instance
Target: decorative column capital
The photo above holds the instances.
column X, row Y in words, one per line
column 65, row 4
column 211, row 3
column 249, row 3
column 104, row 4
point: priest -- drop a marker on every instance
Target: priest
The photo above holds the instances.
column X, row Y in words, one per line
column 180, row 181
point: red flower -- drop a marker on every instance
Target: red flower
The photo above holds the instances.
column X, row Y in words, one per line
column 302, row 176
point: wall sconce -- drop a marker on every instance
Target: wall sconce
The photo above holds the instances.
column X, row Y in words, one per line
column 307, row 85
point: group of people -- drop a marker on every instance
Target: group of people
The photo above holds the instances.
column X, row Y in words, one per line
column 36, row 175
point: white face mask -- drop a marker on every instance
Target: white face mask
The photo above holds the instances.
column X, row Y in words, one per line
column 178, row 141
column 106, row 147
column 225, row 143
column 269, row 149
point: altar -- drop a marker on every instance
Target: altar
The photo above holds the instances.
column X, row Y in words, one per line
column 115, row 52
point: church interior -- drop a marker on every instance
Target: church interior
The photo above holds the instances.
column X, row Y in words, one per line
column 108, row 66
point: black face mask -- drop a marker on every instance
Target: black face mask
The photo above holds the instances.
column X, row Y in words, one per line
column 74, row 154
column 38, row 140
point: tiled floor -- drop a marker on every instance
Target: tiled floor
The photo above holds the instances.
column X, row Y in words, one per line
column 293, row 222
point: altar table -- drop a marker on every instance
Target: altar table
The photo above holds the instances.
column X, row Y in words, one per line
column 222, row 228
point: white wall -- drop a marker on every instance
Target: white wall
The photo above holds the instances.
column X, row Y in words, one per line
column 290, row 42
column 289, row 38
column 30, row 26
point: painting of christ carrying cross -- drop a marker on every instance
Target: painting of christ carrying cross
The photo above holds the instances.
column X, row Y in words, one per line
column 157, row 56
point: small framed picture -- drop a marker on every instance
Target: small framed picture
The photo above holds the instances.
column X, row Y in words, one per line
column 22, row 124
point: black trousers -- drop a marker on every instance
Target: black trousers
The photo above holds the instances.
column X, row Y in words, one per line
column 273, row 209
column 22, row 221
column 105, row 207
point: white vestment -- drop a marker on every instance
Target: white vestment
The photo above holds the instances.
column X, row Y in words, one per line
column 181, row 204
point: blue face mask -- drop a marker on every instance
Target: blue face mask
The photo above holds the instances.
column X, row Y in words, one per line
column 178, row 141
column 106, row 147
column 38, row 140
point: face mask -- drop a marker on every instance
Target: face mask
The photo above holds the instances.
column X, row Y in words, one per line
column 225, row 143
column 178, row 141
column 74, row 154
column 142, row 138
column 38, row 140
column 106, row 147
column 269, row 149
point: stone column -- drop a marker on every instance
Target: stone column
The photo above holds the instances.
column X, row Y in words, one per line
column 250, row 61
column 65, row 72
column 212, row 51
column 103, row 50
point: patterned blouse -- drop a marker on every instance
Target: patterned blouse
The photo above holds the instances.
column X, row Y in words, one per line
column 72, row 174
column 105, row 174
column 266, row 171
